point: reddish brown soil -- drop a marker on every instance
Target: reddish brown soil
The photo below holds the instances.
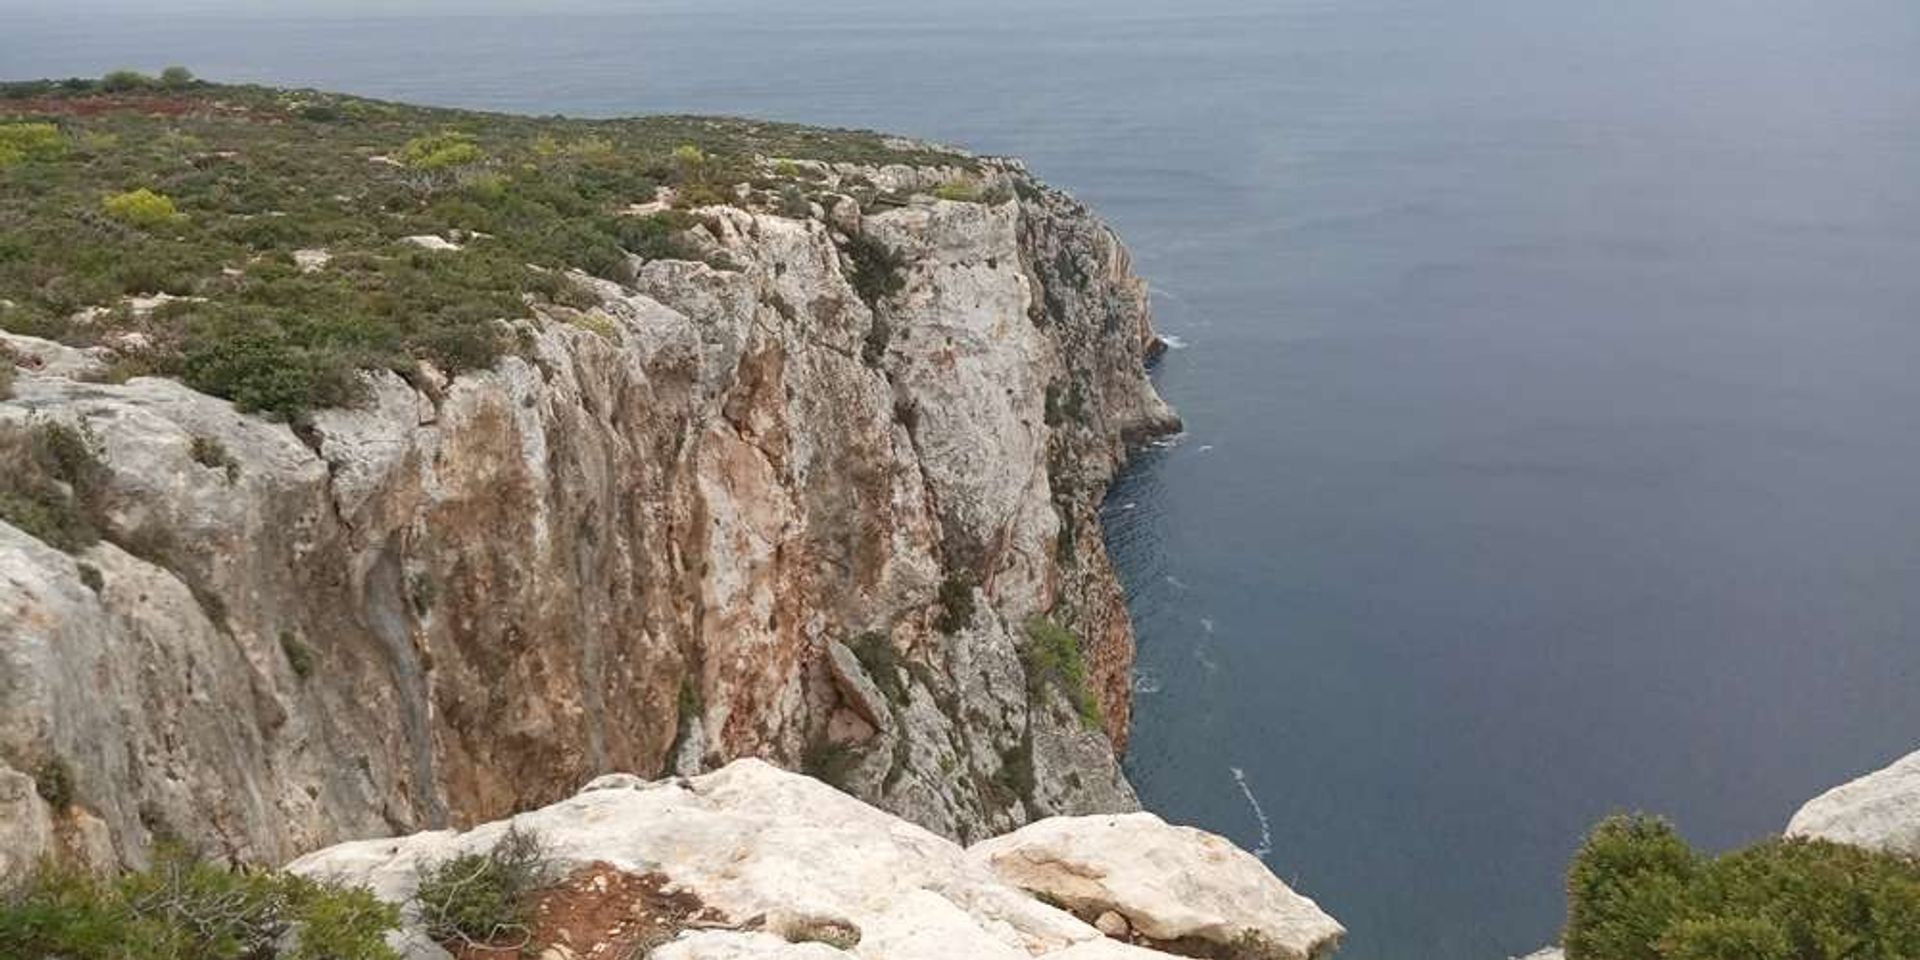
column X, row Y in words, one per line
column 600, row 913
column 151, row 104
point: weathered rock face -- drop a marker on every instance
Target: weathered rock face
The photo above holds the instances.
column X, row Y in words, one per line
column 1880, row 811
column 630, row 546
column 1167, row 884
column 773, row 856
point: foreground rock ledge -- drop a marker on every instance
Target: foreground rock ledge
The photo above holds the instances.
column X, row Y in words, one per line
column 772, row 856
column 1880, row 811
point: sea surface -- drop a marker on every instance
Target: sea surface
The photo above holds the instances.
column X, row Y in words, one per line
column 1549, row 367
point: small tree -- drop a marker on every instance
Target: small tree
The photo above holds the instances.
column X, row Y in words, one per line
column 121, row 81
column 176, row 78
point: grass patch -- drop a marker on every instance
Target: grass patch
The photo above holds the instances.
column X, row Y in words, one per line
column 1637, row 891
column 300, row 657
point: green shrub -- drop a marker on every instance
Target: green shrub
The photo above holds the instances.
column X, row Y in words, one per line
column 30, row 141
column 1053, row 656
column 956, row 603
column 209, row 452
column 300, row 656
column 53, row 780
column 486, row 899
column 176, row 78
column 877, row 270
column 441, row 151
column 1636, row 891
column 876, row 654
column 186, row 909
column 52, row 485
column 141, row 208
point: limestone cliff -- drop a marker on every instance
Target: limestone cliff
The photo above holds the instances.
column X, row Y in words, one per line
column 733, row 510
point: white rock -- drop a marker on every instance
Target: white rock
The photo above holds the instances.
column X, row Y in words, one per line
column 428, row 241
column 311, row 260
column 1169, row 882
column 1880, row 811
column 751, row 840
column 731, row 945
column 1546, row 953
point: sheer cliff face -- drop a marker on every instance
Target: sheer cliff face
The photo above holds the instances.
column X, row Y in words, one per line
column 637, row 545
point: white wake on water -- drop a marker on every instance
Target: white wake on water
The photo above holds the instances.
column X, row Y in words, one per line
column 1266, row 829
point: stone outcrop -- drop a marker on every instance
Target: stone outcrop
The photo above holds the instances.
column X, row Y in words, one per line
column 1880, row 811
column 773, row 858
column 631, row 545
column 1165, row 884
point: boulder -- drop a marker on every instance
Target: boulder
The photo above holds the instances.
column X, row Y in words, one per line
column 1174, row 885
column 783, row 866
column 1880, row 811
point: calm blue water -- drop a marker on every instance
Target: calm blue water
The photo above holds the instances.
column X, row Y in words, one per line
column 1555, row 435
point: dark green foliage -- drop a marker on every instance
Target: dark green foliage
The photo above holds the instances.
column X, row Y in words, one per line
column 185, row 909
column 53, row 780
column 878, row 272
column 956, row 603
column 52, row 485
column 122, row 81
column 1053, row 656
column 875, row 652
column 176, row 78
column 300, row 656
column 1636, row 891
column 90, row 575
column 486, row 899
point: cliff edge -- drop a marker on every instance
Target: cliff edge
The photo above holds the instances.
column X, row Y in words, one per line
column 735, row 498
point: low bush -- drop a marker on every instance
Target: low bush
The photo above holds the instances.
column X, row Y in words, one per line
column 441, row 151
column 176, row 78
column 186, row 909
column 1053, row 656
column 141, row 208
column 956, row 603
column 486, row 899
column 878, row 272
column 52, row 484
column 1637, row 891
column 53, row 780
column 30, row 141
column 874, row 649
